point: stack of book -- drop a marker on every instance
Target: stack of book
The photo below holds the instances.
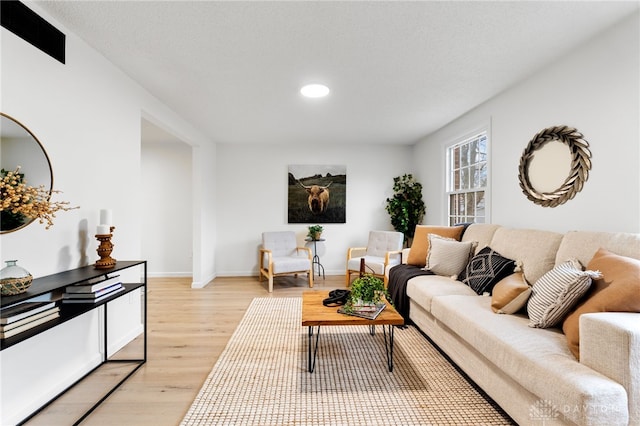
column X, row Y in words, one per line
column 93, row 290
column 369, row 311
column 21, row 317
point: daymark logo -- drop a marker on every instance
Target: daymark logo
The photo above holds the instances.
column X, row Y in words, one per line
column 543, row 410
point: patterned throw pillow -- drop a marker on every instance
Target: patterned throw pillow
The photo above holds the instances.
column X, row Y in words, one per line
column 557, row 291
column 485, row 269
column 447, row 256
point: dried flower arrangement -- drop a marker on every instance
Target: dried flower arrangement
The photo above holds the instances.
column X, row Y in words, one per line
column 21, row 201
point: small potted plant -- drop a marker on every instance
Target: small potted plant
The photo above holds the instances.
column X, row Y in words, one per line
column 315, row 231
column 366, row 295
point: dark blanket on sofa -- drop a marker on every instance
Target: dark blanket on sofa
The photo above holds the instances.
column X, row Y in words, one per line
column 397, row 287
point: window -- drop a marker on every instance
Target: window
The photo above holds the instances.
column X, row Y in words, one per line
column 467, row 171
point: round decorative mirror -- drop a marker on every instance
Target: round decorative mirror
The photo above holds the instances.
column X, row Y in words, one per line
column 20, row 148
column 554, row 166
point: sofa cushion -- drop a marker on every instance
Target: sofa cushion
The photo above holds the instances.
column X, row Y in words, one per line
column 557, row 292
column 424, row 288
column 447, row 256
column 374, row 264
column 617, row 291
column 420, row 245
column 480, row 232
column 583, row 245
column 538, row 359
column 534, row 249
column 510, row 294
column 282, row 265
column 485, row 269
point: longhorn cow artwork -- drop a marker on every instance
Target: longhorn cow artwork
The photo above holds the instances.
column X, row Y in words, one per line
column 318, row 197
column 317, row 194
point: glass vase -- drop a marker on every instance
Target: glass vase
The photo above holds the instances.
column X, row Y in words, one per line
column 14, row 279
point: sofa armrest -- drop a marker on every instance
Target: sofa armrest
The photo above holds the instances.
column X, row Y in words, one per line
column 610, row 345
column 307, row 250
column 265, row 261
column 356, row 252
column 405, row 255
column 394, row 254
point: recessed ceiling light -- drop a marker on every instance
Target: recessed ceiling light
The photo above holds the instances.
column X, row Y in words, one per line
column 314, row 91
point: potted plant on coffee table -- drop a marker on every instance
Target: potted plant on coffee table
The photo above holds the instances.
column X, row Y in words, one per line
column 366, row 298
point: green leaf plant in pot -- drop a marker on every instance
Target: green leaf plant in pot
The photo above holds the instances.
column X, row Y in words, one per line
column 367, row 291
column 315, row 231
column 406, row 207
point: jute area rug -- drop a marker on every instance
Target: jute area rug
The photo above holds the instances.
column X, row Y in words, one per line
column 261, row 378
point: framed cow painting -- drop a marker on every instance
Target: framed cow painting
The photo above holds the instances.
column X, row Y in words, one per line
column 317, row 194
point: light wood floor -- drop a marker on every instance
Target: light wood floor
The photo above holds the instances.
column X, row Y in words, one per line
column 187, row 330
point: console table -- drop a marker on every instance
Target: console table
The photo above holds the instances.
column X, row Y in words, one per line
column 55, row 284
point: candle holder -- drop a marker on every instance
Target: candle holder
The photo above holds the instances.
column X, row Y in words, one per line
column 104, row 251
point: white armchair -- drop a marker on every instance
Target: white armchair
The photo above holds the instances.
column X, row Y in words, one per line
column 383, row 249
column 279, row 255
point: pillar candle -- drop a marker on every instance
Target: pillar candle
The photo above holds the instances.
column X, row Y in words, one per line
column 106, row 217
column 103, row 230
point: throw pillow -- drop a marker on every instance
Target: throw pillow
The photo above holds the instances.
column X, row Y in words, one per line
column 447, row 256
column 617, row 291
column 485, row 269
column 510, row 294
column 420, row 245
column 556, row 292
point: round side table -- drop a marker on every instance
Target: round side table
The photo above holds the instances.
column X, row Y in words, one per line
column 316, row 259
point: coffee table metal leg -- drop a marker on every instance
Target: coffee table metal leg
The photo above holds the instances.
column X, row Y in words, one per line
column 388, row 345
column 311, row 364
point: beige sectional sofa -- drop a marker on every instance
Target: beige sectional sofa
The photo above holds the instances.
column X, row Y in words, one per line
column 530, row 372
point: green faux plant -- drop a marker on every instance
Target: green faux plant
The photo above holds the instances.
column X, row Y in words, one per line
column 406, row 207
column 367, row 289
column 315, row 231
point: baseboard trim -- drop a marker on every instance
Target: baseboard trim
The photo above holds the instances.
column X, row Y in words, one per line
column 169, row 274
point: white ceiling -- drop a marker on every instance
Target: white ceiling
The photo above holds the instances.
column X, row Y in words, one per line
column 397, row 70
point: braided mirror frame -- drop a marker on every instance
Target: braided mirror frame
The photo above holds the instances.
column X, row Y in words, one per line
column 580, row 165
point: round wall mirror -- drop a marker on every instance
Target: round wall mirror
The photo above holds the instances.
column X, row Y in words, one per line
column 554, row 166
column 20, row 147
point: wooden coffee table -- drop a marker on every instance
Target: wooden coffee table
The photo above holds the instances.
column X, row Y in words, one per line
column 315, row 315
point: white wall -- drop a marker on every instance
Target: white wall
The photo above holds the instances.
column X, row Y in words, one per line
column 205, row 220
column 87, row 114
column 167, row 237
column 596, row 89
column 252, row 198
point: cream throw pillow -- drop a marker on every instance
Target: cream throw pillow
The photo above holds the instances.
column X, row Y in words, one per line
column 447, row 256
column 510, row 294
column 420, row 245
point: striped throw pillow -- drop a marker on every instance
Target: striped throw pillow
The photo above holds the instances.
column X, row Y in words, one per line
column 556, row 292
